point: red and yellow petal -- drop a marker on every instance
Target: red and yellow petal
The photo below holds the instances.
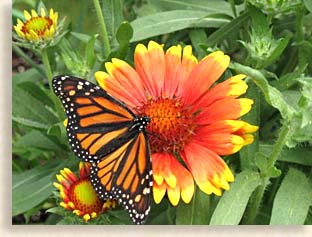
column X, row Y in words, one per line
column 150, row 65
column 111, row 85
column 232, row 87
column 159, row 191
column 169, row 175
column 225, row 137
column 179, row 65
column 173, row 60
column 210, row 172
column 206, row 72
column 224, row 109
column 126, row 77
column 69, row 175
column 84, row 170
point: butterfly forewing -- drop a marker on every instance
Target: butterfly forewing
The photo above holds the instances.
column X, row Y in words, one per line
column 103, row 131
column 97, row 123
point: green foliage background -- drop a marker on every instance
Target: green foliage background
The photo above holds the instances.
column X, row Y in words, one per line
column 270, row 41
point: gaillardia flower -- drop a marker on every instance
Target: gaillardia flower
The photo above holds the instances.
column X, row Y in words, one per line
column 78, row 194
column 193, row 121
column 37, row 27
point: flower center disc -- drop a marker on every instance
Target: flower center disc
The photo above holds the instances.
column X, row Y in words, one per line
column 37, row 24
column 84, row 197
column 171, row 127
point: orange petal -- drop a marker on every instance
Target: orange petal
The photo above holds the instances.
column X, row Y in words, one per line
column 204, row 75
column 163, row 169
column 233, row 87
column 169, row 174
column 125, row 76
column 110, row 84
column 173, row 60
column 150, row 65
column 189, row 62
column 210, row 172
column 225, row 137
column 224, row 109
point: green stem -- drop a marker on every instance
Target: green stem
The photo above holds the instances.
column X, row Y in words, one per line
column 46, row 63
column 103, row 30
column 299, row 23
column 233, row 7
column 258, row 195
column 282, row 137
column 255, row 203
column 27, row 59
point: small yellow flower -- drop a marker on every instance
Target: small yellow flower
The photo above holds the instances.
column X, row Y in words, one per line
column 37, row 27
column 78, row 194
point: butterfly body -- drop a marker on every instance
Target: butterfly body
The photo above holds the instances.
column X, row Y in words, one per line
column 105, row 132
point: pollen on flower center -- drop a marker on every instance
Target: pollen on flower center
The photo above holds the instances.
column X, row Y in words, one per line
column 84, row 197
column 171, row 125
column 37, row 24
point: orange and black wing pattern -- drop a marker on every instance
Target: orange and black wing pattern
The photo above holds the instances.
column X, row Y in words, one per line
column 103, row 131
column 126, row 175
column 97, row 123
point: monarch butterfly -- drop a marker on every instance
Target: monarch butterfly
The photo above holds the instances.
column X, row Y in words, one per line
column 103, row 131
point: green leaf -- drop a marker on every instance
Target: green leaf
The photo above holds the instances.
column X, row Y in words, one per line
column 32, row 187
column 38, row 93
column 232, row 204
column 124, row 33
column 113, row 15
column 198, row 39
column 271, row 94
column 278, row 50
column 297, row 155
column 273, row 172
column 227, row 30
column 261, row 161
column 211, row 6
column 89, row 52
column 161, row 214
column 308, row 4
column 30, row 75
column 292, row 200
column 170, row 21
column 36, row 139
column 85, row 39
column 30, row 111
column 196, row 212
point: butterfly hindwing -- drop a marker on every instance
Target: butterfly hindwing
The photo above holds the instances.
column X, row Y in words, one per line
column 126, row 175
column 97, row 123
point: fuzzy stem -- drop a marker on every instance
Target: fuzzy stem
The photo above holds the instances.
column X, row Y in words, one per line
column 103, row 30
column 258, row 195
column 282, row 138
column 46, row 63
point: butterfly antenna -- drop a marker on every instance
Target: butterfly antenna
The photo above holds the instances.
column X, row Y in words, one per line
column 158, row 137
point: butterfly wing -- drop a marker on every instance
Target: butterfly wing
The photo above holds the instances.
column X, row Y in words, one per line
column 126, row 175
column 97, row 123
column 101, row 130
